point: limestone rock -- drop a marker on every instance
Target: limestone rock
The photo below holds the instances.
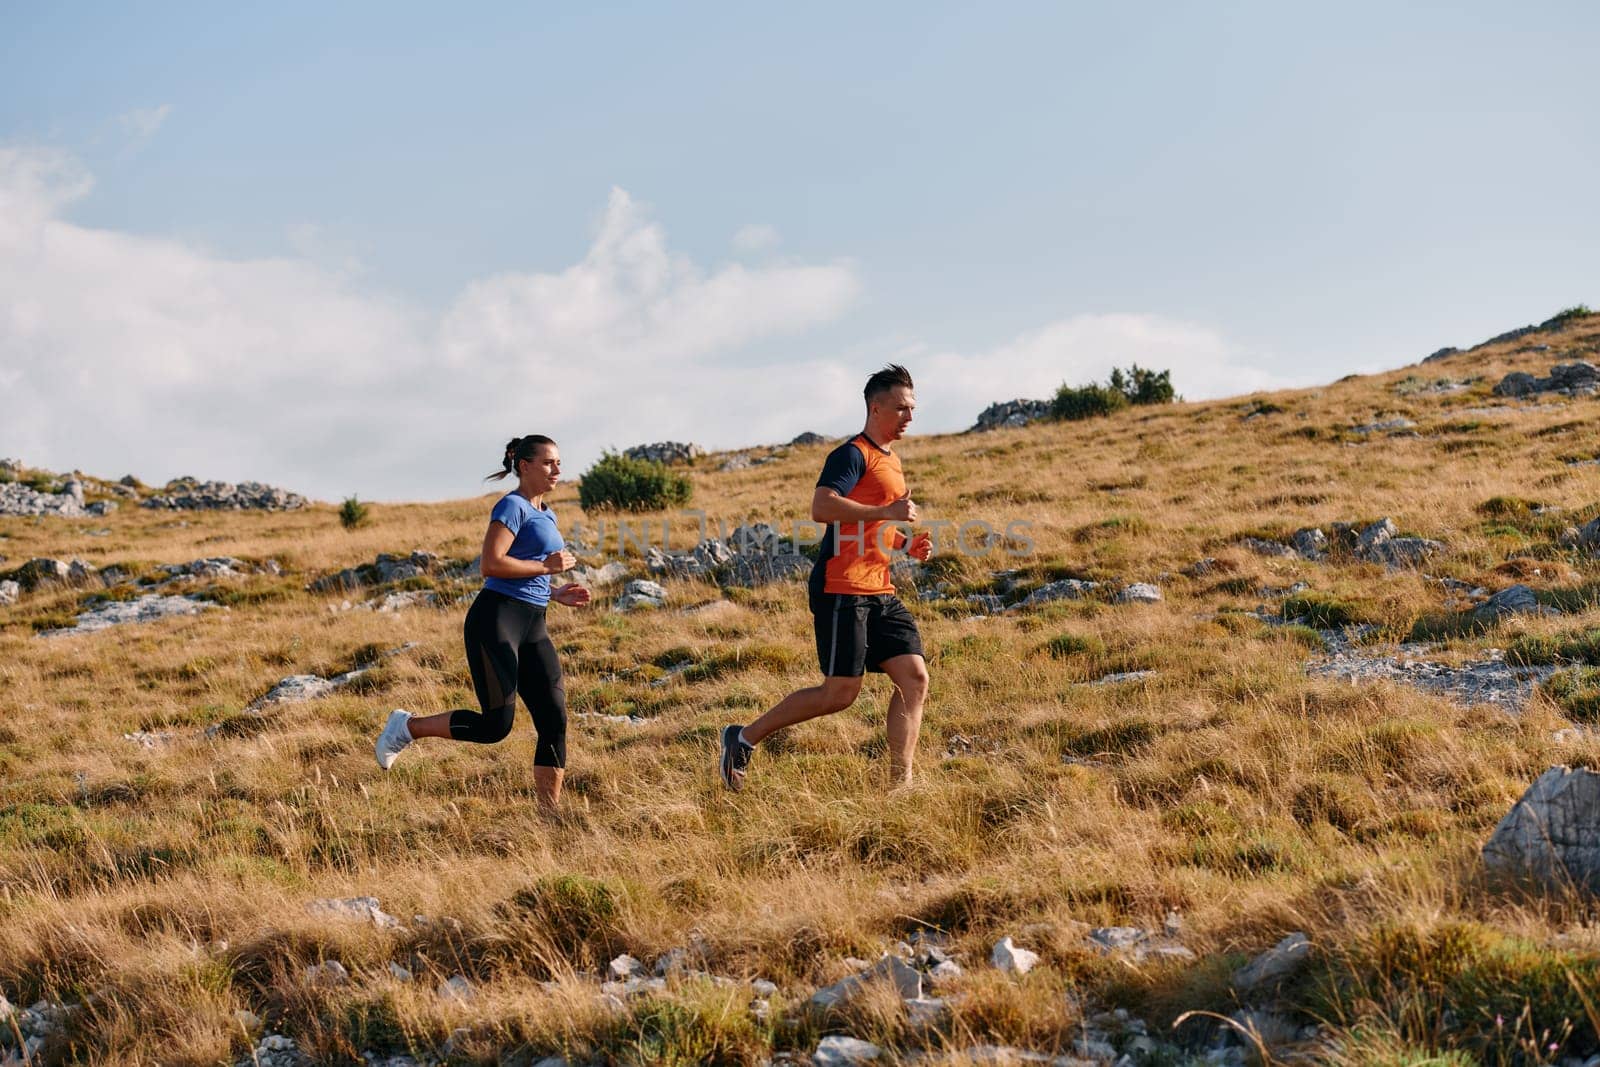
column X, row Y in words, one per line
column 1513, row 600
column 836, row 1050
column 1011, row 959
column 907, row 982
column 189, row 494
column 1552, row 834
column 10, row 591
column 640, row 593
column 1273, row 965
column 668, row 452
column 145, row 609
column 1011, row 413
column 361, row 909
column 1065, row 589
column 1139, row 593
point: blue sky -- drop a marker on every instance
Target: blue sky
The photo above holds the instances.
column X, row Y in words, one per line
column 354, row 248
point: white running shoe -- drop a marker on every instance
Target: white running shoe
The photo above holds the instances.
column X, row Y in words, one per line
column 396, row 735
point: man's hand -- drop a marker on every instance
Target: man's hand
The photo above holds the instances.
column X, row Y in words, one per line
column 921, row 547
column 556, row 562
column 572, row 595
column 902, row 510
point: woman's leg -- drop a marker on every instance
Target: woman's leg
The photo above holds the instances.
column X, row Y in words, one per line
column 494, row 628
column 544, row 692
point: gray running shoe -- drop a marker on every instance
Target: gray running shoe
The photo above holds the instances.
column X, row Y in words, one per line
column 735, row 757
column 395, row 736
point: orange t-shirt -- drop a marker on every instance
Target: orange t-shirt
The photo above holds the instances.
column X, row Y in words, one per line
column 853, row 558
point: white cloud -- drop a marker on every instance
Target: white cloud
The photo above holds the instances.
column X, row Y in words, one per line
column 141, row 124
column 129, row 353
column 953, row 387
column 756, row 237
column 124, row 353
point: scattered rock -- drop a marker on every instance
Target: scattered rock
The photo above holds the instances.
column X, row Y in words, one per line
column 1262, row 547
column 399, row 601
column 41, row 572
column 836, row 1050
column 399, row 973
column 1200, row 568
column 625, row 967
column 1552, row 834
column 456, row 989
column 146, row 739
column 1310, row 542
column 188, row 494
column 807, row 439
column 1579, row 378
column 361, row 909
column 1139, row 593
column 641, row 594
column 275, row 1050
column 298, row 688
column 1443, row 353
column 144, row 609
column 1065, row 589
column 1011, row 413
column 1011, row 959
column 1123, row 676
column 1389, row 426
column 10, row 591
column 1489, row 680
column 1513, row 600
column 1273, row 965
column 668, row 452
column 907, row 982
column 595, row 577
column 381, row 571
column 329, row 972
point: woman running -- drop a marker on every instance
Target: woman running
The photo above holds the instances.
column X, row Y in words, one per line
column 508, row 648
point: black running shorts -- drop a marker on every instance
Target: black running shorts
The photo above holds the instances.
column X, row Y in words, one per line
column 855, row 634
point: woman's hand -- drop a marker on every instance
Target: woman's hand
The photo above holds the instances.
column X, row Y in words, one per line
column 573, row 595
column 556, row 562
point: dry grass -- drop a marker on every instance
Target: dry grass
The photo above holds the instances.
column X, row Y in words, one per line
column 169, row 885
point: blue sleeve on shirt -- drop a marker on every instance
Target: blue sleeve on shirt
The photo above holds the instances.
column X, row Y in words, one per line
column 508, row 513
column 843, row 469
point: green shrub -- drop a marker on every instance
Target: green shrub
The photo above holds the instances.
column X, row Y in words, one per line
column 617, row 483
column 353, row 513
column 1142, row 385
column 1566, row 315
column 1086, row 402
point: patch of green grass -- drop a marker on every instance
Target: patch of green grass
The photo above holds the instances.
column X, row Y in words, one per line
column 1063, row 646
column 1577, row 691
column 1506, row 507
column 1539, row 649
column 1324, row 611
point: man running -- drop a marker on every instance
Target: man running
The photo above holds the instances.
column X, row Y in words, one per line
column 860, row 624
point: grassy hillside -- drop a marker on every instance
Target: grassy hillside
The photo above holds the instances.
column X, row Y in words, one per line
column 165, row 888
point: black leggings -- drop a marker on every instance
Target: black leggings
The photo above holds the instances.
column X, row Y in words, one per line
column 510, row 652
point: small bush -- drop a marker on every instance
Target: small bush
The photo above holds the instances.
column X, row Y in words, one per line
column 1538, row 649
column 353, row 513
column 1141, row 385
column 1506, row 507
column 1571, row 314
column 617, row 483
column 1086, row 402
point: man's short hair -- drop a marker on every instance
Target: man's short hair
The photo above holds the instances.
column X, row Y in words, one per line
column 886, row 379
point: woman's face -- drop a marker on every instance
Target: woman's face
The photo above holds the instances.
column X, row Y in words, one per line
column 540, row 474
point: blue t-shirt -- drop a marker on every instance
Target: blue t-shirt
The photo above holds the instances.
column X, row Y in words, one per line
column 534, row 536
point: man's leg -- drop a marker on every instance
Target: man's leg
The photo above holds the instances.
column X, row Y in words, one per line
column 834, row 694
column 910, row 677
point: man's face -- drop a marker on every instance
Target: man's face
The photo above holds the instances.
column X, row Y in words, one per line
column 891, row 412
